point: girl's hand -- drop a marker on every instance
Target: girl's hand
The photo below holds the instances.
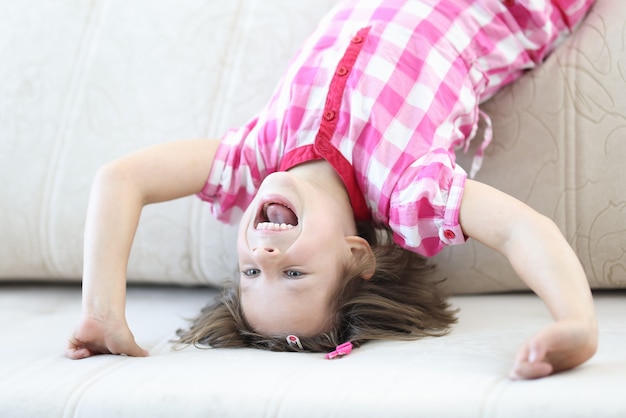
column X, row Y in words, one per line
column 93, row 336
column 560, row 346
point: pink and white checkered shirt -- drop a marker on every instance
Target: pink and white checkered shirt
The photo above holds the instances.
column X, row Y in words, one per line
column 385, row 90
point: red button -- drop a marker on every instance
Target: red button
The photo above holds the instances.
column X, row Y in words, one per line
column 343, row 70
column 449, row 234
column 329, row 115
column 357, row 39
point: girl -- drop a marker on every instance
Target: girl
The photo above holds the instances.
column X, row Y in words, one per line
column 359, row 135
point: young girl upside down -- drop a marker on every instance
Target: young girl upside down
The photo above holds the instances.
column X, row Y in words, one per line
column 346, row 181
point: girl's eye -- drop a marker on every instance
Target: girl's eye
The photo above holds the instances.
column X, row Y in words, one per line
column 293, row 274
column 251, row 272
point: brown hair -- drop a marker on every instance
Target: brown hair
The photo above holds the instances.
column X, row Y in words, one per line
column 402, row 301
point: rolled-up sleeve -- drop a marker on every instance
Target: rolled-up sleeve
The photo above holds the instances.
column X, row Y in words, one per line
column 236, row 173
column 424, row 208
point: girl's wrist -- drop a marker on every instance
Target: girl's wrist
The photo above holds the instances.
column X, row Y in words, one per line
column 103, row 308
column 103, row 316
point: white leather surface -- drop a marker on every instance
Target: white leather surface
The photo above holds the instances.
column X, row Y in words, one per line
column 459, row 375
column 84, row 82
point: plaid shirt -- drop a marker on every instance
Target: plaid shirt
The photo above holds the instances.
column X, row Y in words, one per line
column 385, row 90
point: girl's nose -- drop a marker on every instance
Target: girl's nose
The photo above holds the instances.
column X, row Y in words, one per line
column 266, row 257
column 265, row 250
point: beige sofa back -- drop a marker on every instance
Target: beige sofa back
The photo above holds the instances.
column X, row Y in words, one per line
column 89, row 81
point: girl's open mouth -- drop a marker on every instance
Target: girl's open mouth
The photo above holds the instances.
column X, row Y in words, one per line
column 275, row 216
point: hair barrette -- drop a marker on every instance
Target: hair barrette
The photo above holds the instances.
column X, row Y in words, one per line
column 340, row 351
column 292, row 340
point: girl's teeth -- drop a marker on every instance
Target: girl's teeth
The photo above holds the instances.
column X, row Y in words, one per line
column 271, row 226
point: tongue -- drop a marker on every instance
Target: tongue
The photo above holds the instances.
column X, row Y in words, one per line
column 279, row 214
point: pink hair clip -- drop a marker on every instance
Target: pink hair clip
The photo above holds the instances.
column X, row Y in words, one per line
column 341, row 350
column 293, row 340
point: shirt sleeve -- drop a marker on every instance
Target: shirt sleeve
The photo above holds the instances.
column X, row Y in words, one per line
column 573, row 10
column 424, row 208
column 236, row 174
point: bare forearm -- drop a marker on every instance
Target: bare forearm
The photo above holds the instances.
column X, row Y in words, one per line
column 546, row 263
column 533, row 245
column 120, row 190
column 114, row 209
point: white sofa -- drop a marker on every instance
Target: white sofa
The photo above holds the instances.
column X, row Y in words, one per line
column 84, row 82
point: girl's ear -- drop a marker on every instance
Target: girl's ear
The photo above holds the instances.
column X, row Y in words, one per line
column 363, row 256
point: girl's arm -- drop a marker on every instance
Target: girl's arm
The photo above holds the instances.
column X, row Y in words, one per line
column 119, row 192
column 544, row 260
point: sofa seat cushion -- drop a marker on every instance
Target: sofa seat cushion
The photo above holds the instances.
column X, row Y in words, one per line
column 461, row 374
